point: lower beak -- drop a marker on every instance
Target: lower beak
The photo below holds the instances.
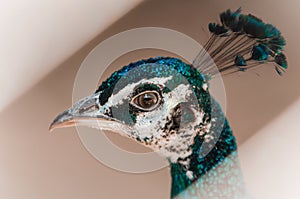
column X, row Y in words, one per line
column 85, row 112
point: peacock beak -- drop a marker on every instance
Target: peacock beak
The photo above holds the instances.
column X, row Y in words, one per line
column 86, row 112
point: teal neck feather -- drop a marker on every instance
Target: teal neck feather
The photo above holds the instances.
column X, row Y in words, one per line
column 200, row 166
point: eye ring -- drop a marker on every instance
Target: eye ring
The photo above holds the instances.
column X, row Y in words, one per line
column 147, row 100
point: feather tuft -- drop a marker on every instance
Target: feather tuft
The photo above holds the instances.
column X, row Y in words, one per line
column 241, row 42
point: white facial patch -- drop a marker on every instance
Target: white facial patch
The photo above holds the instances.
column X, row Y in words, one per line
column 178, row 144
column 154, row 128
column 159, row 116
column 127, row 90
column 152, row 125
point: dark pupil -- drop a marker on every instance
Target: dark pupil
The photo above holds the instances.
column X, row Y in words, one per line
column 147, row 100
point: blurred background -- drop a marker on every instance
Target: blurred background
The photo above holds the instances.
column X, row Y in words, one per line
column 42, row 47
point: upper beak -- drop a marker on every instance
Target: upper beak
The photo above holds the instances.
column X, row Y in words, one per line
column 85, row 112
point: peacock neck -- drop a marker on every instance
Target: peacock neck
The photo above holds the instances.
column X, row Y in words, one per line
column 184, row 175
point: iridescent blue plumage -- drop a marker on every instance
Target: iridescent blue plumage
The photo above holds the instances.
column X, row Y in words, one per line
column 231, row 20
column 260, row 52
column 187, row 71
column 240, row 61
column 217, row 29
column 256, row 28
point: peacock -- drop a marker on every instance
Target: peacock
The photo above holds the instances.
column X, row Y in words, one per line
column 164, row 103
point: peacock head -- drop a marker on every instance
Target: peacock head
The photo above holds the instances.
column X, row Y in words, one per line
column 162, row 103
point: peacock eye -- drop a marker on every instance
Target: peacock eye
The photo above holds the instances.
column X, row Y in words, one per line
column 147, row 100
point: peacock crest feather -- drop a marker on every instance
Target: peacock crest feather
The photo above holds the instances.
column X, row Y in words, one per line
column 241, row 42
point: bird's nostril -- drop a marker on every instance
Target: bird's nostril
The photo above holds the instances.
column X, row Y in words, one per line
column 88, row 109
